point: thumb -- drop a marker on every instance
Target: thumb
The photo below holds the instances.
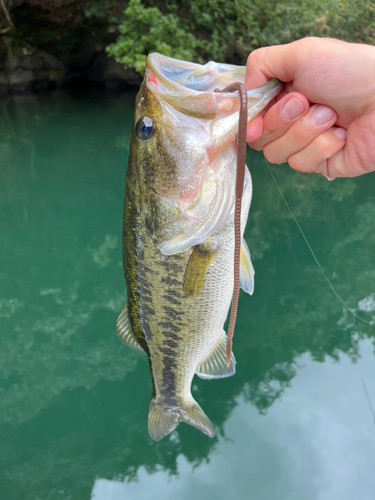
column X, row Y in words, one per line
column 279, row 61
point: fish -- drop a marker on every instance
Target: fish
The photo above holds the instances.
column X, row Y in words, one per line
column 178, row 230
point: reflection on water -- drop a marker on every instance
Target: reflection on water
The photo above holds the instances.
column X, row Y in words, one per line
column 74, row 401
column 308, row 446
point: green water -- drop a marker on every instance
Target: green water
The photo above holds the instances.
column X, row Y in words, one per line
column 294, row 423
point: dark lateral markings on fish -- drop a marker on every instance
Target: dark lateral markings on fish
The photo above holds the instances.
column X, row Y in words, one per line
column 179, row 216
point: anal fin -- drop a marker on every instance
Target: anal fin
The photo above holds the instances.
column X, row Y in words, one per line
column 125, row 331
column 196, row 270
column 246, row 269
column 215, row 365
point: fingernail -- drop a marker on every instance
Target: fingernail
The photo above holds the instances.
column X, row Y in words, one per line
column 340, row 133
column 321, row 115
column 292, row 109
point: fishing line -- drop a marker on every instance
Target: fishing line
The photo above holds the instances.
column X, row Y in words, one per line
column 351, row 310
column 368, row 398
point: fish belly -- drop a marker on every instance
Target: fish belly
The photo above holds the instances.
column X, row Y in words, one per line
column 176, row 331
column 179, row 331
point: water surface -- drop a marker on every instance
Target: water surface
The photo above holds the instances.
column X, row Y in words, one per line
column 296, row 421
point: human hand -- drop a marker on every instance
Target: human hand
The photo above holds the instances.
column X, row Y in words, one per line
column 324, row 119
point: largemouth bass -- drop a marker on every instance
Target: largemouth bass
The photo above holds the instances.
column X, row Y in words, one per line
column 178, row 230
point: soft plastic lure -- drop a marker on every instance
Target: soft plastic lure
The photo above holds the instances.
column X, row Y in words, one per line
column 240, row 177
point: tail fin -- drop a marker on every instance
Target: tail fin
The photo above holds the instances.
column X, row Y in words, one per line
column 163, row 419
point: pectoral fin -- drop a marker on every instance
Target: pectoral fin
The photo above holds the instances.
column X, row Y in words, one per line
column 215, row 365
column 125, row 331
column 246, row 270
column 196, row 270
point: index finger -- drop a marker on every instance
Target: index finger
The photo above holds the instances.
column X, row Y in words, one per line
column 279, row 61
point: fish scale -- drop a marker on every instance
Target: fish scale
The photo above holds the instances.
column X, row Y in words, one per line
column 178, row 233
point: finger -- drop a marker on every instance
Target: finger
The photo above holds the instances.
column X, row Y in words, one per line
column 280, row 118
column 315, row 156
column 347, row 162
column 283, row 92
column 255, row 129
column 300, row 134
column 280, row 61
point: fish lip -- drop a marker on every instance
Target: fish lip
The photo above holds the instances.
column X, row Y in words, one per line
column 190, row 87
column 152, row 64
column 154, row 61
column 272, row 85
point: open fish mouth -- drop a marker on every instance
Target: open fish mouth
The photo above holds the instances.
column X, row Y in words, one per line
column 189, row 87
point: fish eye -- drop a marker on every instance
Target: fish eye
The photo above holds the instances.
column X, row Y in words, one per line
column 145, row 128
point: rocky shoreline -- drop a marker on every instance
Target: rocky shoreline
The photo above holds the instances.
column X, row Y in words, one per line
column 28, row 69
column 68, row 49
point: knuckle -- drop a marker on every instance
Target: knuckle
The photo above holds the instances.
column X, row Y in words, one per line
column 308, row 40
column 295, row 163
column 322, row 145
column 298, row 133
column 255, row 57
column 271, row 155
column 306, row 43
column 257, row 146
column 271, row 127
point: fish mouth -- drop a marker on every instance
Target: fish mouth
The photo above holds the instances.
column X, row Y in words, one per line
column 194, row 77
column 189, row 87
